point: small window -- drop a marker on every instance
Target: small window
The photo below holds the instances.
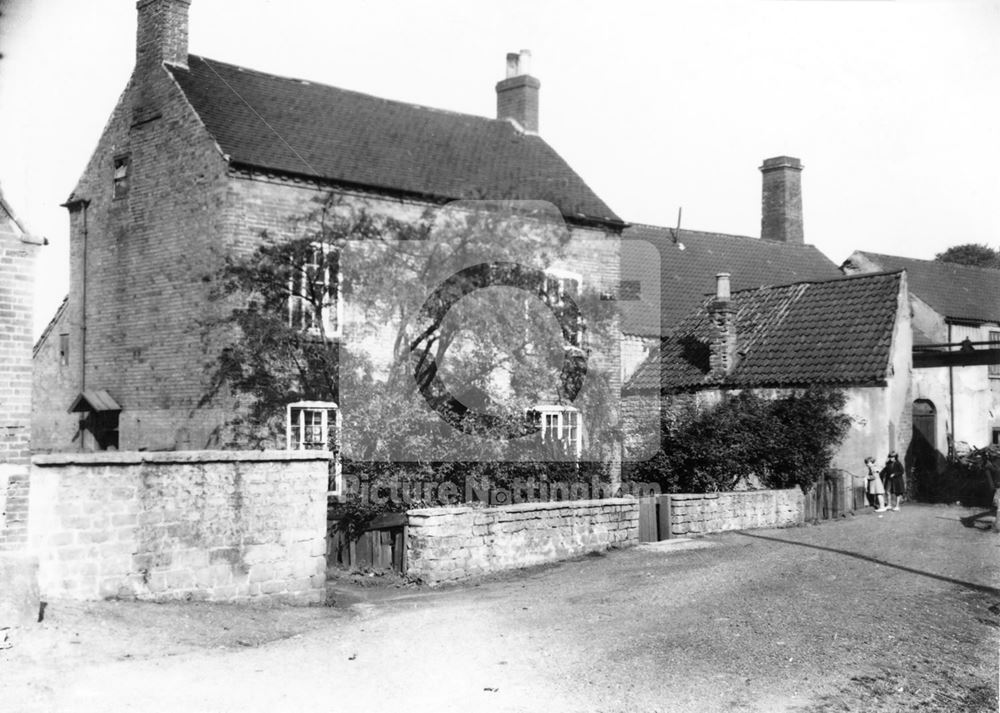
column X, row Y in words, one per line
column 312, row 425
column 314, row 301
column 120, row 177
column 63, row 350
column 996, row 436
column 560, row 423
column 994, row 369
column 315, row 425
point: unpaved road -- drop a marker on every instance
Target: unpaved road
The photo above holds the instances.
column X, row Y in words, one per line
column 898, row 613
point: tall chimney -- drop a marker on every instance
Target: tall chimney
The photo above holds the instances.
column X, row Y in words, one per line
column 517, row 95
column 722, row 346
column 162, row 33
column 781, row 200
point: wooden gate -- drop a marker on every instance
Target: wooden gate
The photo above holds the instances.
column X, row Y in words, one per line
column 654, row 518
column 825, row 500
column 382, row 546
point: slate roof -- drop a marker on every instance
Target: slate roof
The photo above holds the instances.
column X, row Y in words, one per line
column 958, row 292
column 834, row 333
column 687, row 275
column 318, row 131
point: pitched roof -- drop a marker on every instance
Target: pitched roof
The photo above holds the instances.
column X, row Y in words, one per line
column 50, row 326
column 959, row 292
column 834, row 333
column 322, row 132
column 688, row 274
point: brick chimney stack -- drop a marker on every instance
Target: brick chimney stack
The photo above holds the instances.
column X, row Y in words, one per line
column 517, row 95
column 781, row 200
column 162, row 33
column 722, row 349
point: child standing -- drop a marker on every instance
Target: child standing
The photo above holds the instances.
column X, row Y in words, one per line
column 875, row 489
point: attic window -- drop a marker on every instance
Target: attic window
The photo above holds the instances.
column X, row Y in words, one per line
column 119, row 187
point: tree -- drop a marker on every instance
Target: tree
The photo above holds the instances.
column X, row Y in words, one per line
column 972, row 254
column 454, row 325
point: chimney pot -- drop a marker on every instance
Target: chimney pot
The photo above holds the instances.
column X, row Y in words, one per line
column 722, row 287
column 781, row 200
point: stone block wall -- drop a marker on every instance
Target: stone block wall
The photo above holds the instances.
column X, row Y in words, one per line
column 450, row 544
column 718, row 512
column 205, row 525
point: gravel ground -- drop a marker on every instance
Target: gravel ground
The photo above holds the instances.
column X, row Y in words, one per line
column 892, row 613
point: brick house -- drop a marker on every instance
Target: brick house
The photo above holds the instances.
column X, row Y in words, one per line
column 851, row 334
column 197, row 160
column 18, row 253
column 672, row 282
column 956, row 389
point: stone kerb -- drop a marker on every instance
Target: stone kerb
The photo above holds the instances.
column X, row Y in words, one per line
column 205, row 525
column 718, row 512
column 454, row 543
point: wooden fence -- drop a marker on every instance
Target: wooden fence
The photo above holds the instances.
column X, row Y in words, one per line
column 827, row 499
column 382, row 546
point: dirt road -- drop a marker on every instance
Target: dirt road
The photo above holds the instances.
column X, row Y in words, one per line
column 898, row 613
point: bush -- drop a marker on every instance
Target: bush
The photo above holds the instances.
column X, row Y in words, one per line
column 780, row 442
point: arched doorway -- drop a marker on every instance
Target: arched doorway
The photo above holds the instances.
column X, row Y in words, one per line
column 923, row 445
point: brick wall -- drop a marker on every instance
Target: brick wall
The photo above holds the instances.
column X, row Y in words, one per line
column 53, row 389
column 18, row 252
column 450, row 544
column 209, row 525
column 138, row 266
column 718, row 512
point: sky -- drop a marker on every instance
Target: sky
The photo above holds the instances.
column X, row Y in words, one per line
column 893, row 107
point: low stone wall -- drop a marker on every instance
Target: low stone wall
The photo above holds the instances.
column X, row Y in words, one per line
column 204, row 525
column 745, row 510
column 449, row 544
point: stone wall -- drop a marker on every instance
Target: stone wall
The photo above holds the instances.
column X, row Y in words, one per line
column 718, row 512
column 208, row 525
column 450, row 544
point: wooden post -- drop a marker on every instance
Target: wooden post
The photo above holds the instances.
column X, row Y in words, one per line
column 663, row 517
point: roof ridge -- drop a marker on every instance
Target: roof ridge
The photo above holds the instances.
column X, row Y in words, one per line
column 717, row 234
column 843, row 278
column 387, row 100
column 930, row 262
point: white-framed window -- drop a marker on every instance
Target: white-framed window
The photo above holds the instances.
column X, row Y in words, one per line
column 314, row 293
column 558, row 285
column 315, row 425
column 561, row 423
column 994, row 369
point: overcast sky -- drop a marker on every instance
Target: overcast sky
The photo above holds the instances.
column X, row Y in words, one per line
column 893, row 107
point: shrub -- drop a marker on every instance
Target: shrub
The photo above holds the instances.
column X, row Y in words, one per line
column 780, row 442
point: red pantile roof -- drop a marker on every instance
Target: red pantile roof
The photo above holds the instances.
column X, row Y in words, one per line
column 318, row 131
column 689, row 273
column 958, row 292
column 834, row 333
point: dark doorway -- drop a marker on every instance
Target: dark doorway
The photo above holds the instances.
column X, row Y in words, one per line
column 924, row 436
